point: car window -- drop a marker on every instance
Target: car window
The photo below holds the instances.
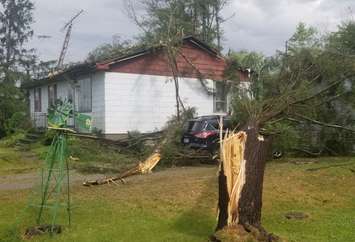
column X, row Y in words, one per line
column 214, row 123
column 198, row 126
column 211, row 127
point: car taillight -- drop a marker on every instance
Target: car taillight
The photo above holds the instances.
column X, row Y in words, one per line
column 204, row 134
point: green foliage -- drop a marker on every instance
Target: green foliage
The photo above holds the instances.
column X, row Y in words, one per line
column 18, row 121
column 174, row 129
column 15, row 59
column 135, row 142
column 255, row 63
column 12, row 109
column 96, row 157
column 16, row 19
column 110, row 50
column 286, row 136
column 288, row 87
column 48, row 137
column 200, row 18
column 304, row 38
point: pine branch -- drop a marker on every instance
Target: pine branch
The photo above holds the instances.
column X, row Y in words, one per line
column 320, row 123
column 287, row 104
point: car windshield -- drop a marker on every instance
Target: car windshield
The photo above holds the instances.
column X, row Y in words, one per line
column 195, row 126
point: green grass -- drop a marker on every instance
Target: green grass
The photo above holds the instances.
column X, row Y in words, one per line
column 14, row 161
column 92, row 157
column 178, row 204
column 324, row 190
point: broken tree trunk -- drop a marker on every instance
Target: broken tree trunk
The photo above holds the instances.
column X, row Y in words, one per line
column 142, row 168
column 241, row 178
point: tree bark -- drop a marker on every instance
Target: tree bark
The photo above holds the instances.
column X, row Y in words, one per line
column 248, row 203
column 256, row 153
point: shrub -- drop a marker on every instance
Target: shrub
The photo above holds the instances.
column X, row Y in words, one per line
column 18, row 122
column 172, row 147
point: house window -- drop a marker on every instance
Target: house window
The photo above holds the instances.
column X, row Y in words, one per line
column 85, row 96
column 38, row 99
column 220, row 97
column 70, row 93
column 52, row 94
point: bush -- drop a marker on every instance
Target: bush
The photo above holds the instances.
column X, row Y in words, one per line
column 18, row 122
column 48, row 137
column 135, row 142
column 285, row 136
column 174, row 130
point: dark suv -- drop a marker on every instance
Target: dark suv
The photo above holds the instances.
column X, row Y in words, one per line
column 203, row 132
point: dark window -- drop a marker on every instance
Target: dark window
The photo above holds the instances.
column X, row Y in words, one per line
column 38, row 99
column 85, row 96
column 198, row 126
column 70, row 94
column 220, row 97
column 52, row 94
column 214, row 124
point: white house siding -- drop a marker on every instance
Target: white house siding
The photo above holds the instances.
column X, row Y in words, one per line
column 146, row 102
column 98, row 101
column 63, row 87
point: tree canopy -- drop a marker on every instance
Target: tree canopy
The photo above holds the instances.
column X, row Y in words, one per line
column 15, row 60
column 310, row 88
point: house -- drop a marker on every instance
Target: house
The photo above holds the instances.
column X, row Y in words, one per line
column 136, row 91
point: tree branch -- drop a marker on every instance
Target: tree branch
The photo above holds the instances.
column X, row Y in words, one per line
column 287, row 104
column 317, row 122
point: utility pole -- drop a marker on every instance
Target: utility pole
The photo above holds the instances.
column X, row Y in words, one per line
column 68, row 26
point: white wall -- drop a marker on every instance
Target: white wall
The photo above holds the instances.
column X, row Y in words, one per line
column 146, row 102
column 98, row 101
column 125, row 102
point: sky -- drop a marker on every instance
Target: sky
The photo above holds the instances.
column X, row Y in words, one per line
column 254, row 25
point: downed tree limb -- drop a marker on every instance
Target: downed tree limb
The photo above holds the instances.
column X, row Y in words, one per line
column 142, row 168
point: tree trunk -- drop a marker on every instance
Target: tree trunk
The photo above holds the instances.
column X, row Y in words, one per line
column 246, row 209
column 250, row 202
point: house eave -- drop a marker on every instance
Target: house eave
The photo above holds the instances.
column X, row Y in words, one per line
column 72, row 73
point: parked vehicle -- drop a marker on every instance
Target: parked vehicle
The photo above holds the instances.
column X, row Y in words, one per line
column 203, row 132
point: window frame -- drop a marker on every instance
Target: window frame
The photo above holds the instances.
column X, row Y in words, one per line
column 52, row 94
column 37, row 99
column 80, row 96
column 217, row 100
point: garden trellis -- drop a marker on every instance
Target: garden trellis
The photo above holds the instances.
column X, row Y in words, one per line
column 55, row 171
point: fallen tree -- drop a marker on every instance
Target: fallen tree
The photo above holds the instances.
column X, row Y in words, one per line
column 289, row 86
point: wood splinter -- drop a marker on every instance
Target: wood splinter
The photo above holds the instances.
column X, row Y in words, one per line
column 142, row 168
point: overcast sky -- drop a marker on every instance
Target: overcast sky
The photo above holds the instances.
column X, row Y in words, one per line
column 259, row 25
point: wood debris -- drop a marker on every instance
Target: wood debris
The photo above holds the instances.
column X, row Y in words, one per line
column 232, row 153
column 142, row 168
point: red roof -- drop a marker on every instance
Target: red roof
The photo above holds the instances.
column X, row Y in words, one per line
column 195, row 59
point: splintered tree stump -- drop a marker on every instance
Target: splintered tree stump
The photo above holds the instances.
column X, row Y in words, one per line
column 241, row 176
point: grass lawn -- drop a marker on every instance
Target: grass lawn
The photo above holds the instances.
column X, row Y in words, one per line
column 179, row 204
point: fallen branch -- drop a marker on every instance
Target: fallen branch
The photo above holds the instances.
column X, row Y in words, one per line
column 142, row 168
column 324, row 124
